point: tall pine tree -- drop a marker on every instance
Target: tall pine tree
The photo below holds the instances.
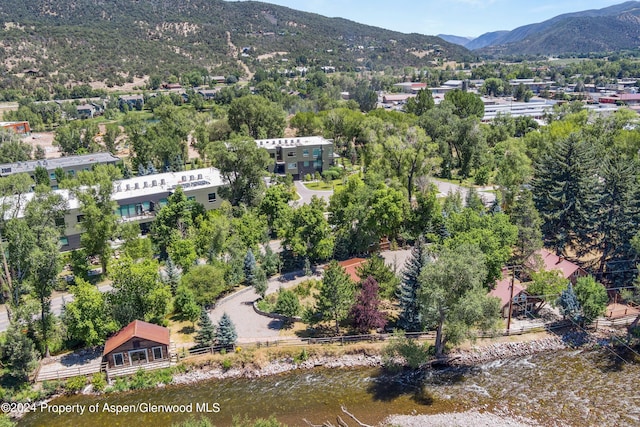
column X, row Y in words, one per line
column 618, row 214
column 249, row 268
column 525, row 216
column 226, row 332
column 207, row 332
column 565, row 188
column 410, row 318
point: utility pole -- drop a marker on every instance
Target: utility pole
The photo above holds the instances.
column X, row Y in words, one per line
column 513, row 278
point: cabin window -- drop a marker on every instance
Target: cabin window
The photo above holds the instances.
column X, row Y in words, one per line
column 157, row 353
column 118, row 359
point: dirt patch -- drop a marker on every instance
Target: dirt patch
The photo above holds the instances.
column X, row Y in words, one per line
column 271, row 55
column 421, row 53
column 137, row 82
column 45, row 140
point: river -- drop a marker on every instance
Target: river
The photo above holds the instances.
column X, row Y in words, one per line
column 566, row 388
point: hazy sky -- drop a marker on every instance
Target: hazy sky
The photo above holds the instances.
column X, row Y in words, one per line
column 457, row 17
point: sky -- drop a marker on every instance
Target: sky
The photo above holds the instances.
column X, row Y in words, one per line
column 468, row 18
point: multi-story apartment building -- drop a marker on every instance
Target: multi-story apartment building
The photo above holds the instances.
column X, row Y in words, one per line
column 139, row 199
column 298, row 156
column 71, row 165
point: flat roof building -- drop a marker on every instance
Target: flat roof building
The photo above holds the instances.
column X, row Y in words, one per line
column 138, row 199
column 71, row 165
column 298, row 156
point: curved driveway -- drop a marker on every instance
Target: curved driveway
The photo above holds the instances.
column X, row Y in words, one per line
column 252, row 326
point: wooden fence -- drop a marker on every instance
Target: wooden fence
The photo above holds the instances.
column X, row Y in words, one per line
column 351, row 339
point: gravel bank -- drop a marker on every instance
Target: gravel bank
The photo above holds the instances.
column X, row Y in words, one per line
column 459, row 419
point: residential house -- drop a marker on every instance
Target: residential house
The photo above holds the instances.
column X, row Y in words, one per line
column 299, row 156
column 21, row 128
column 86, row 111
column 351, row 266
column 522, row 302
column 138, row 343
column 133, row 102
column 544, row 259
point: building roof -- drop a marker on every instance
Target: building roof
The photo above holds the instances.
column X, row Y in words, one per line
column 502, row 288
column 350, row 266
column 293, row 142
column 60, row 162
column 137, row 329
column 551, row 261
column 168, row 181
column 397, row 97
column 126, row 189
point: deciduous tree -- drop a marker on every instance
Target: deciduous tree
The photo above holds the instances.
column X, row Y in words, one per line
column 452, row 298
column 366, row 312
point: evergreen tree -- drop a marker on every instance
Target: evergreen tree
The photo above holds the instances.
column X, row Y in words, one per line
column 618, row 214
column 207, row 332
column 474, row 201
column 151, row 169
column 410, row 318
column 141, row 170
column 226, row 332
column 366, row 312
column 288, row 303
column 270, row 261
column 249, row 268
column 260, row 283
column 384, row 276
column 565, row 186
column 336, row 295
column 19, row 352
column 526, row 217
column 172, row 275
column 307, row 267
column 568, row 303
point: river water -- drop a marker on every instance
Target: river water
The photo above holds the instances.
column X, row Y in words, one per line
column 566, row 388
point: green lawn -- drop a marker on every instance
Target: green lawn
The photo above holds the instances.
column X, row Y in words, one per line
column 324, row 186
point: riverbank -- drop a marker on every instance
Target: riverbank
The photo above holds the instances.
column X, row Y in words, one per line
column 370, row 357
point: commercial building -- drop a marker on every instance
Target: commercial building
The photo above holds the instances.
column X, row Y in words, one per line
column 71, row 165
column 298, row 156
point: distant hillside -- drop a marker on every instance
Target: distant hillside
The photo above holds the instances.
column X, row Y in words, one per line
column 111, row 40
column 462, row 41
column 486, row 39
column 612, row 28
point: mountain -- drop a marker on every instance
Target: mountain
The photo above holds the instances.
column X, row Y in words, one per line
column 611, row 28
column 462, row 41
column 486, row 39
column 116, row 40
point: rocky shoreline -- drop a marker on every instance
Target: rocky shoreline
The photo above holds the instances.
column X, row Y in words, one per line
column 474, row 356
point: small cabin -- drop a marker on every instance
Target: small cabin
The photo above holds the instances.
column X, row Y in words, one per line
column 138, row 343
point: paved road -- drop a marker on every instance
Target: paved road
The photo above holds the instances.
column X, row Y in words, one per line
column 306, row 194
column 251, row 326
column 56, row 306
column 445, row 187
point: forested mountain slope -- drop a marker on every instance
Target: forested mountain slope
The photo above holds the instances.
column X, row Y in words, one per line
column 89, row 40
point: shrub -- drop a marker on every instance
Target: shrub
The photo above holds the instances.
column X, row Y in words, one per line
column 51, row 387
column 226, row 364
column 98, row 381
column 75, row 384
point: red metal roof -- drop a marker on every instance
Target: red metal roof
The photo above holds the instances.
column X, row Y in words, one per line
column 350, row 266
column 552, row 262
column 137, row 329
column 502, row 289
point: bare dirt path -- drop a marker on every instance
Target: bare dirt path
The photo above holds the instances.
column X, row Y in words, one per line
column 233, row 51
